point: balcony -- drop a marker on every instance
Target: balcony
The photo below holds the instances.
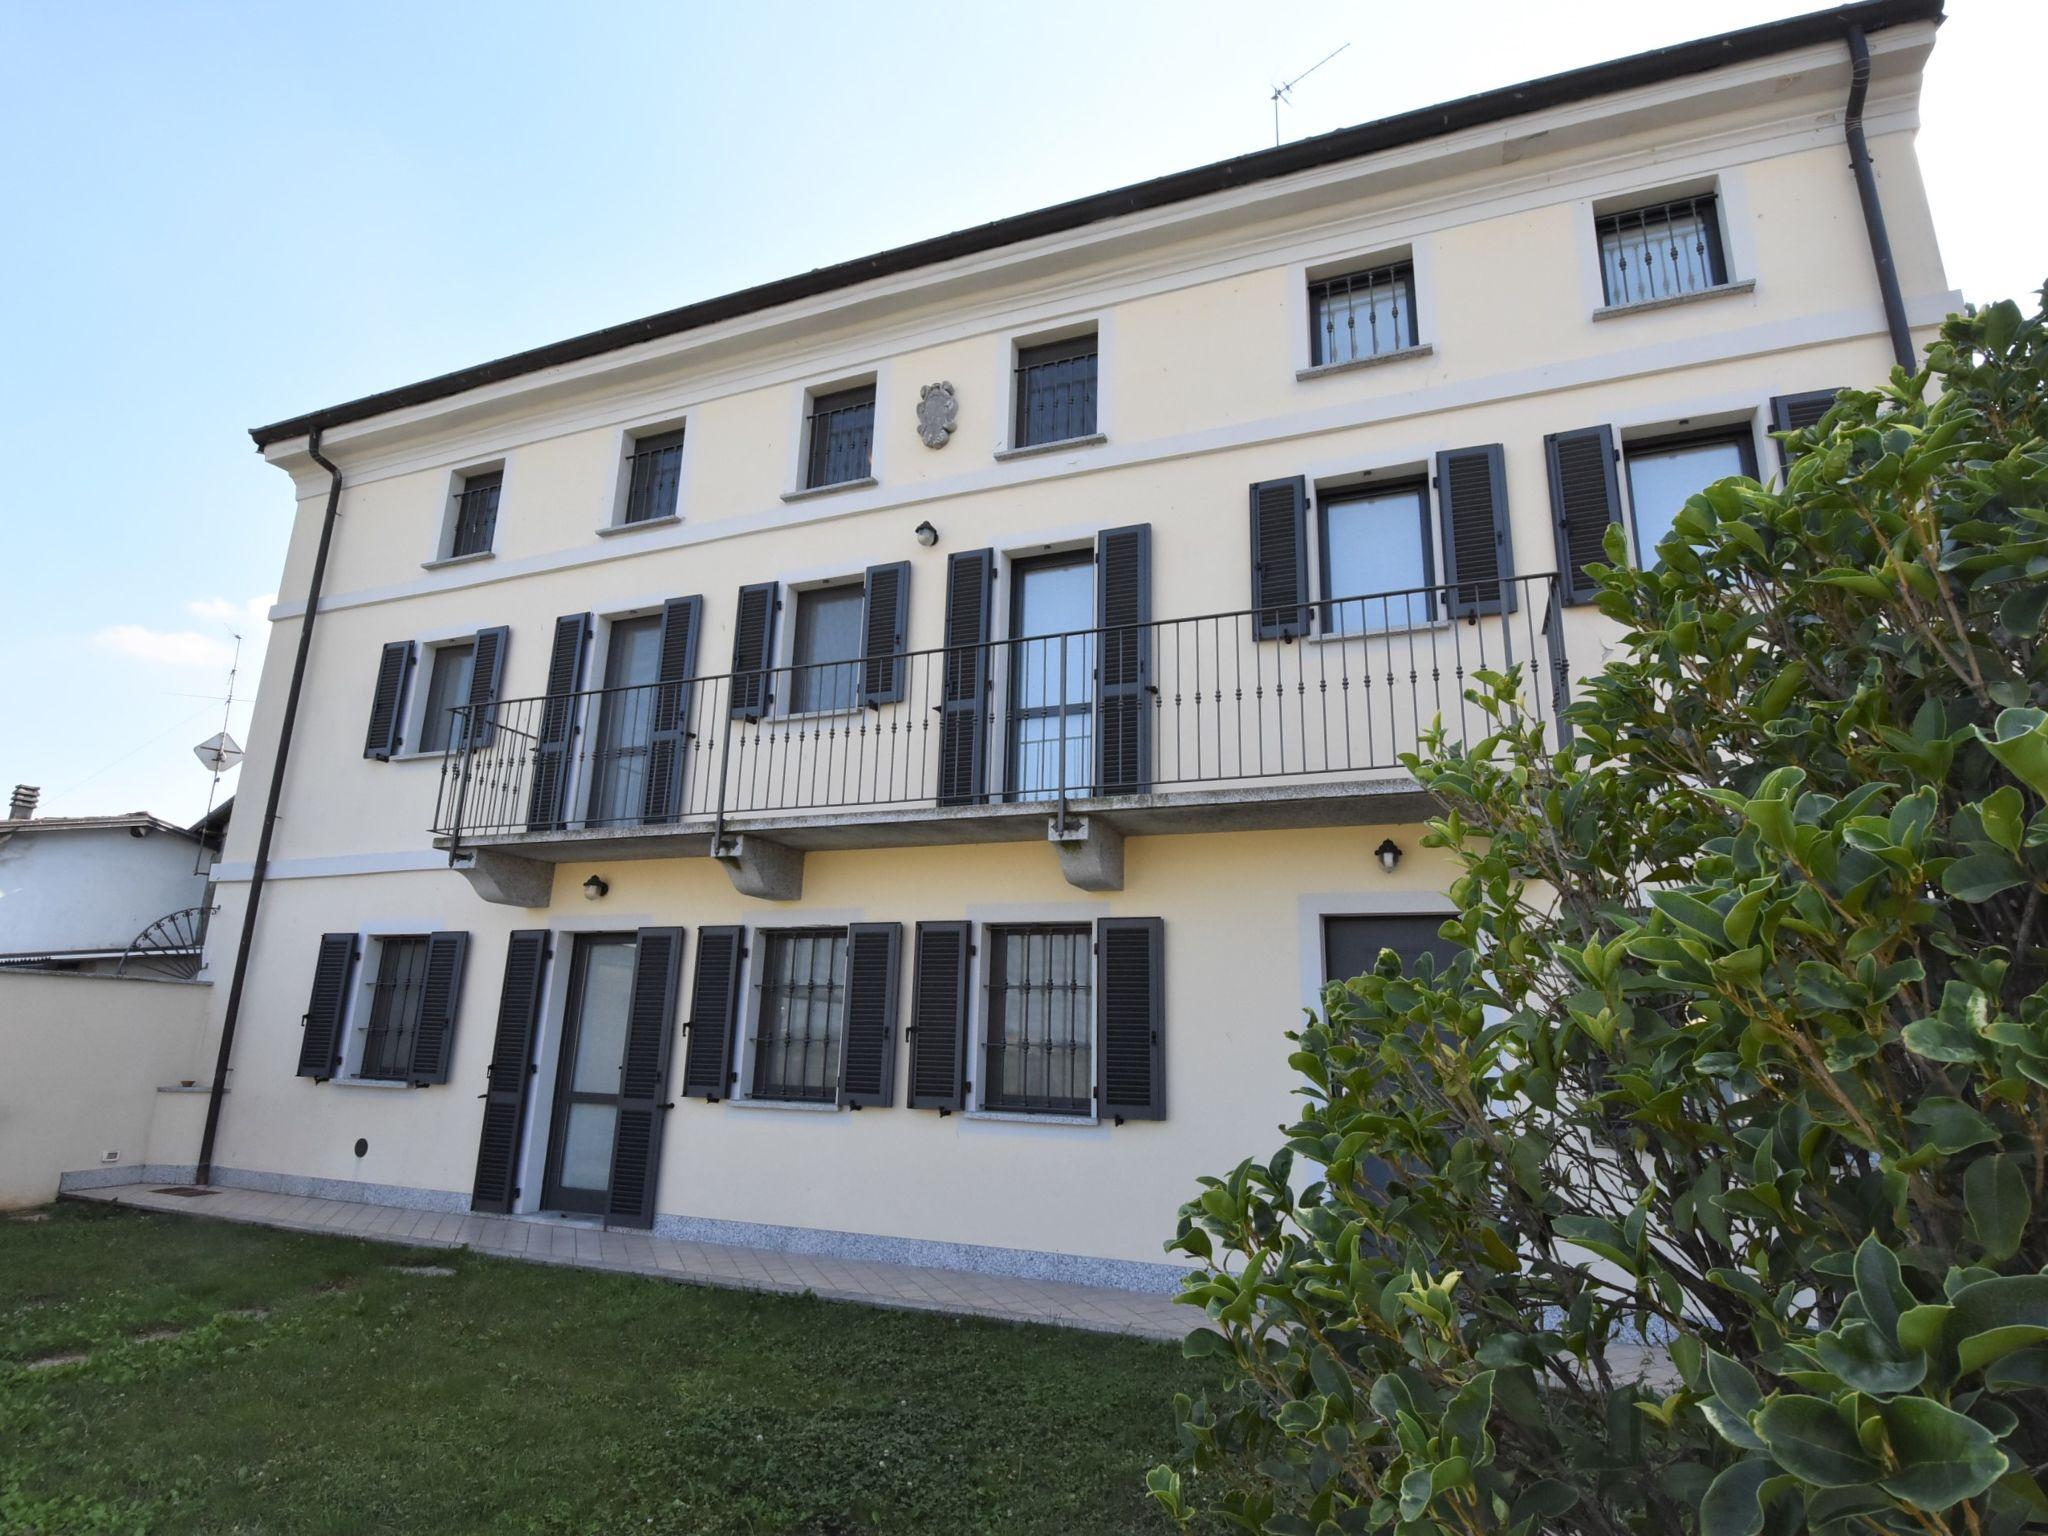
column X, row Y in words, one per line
column 1254, row 720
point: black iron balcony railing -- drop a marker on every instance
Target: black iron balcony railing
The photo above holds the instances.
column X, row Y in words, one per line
column 1080, row 716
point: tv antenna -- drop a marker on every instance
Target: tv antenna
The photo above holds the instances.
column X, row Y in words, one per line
column 219, row 752
column 1280, row 92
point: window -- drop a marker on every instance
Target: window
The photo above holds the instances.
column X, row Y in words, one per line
column 396, row 996
column 654, row 473
column 1361, row 314
column 1351, row 944
column 841, row 437
column 801, row 1017
column 1052, row 675
column 1665, row 471
column 1661, row 251
column 828, row 649
column 625, row 722
column 447, row 690
column 1376, row 560
column 476, row 514
column 1041, row 1021
column 1055, row 391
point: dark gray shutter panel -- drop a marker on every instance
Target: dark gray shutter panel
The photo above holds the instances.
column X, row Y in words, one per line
column 486, row 680
column 508, row 1079
column 885, row 621
column 387, row 701
column 1479, row 556
column 643, row 1078
column 1795, row 413
column 433, row 1043
column 668, row 748
column 714, row 1013
column 1124, row 701
column 753, row 643
column 1280, row 558
column 320, row 1044
column 1585, row 499
column 1130, row 1012
column 867, row 1055
column 547, row 805
column 938, row 1015
column 963, row 708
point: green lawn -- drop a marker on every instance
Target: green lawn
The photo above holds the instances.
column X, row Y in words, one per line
column 237, row 1379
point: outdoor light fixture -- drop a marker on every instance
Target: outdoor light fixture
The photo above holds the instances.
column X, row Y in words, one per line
column 927, row 535
column 1389, row 853
column 595, row 888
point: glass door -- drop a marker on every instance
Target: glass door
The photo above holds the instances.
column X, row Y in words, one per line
column 586, row 1118
column 1052, row 676
column 625, row 723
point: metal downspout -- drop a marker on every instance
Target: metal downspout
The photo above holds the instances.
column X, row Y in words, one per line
column 1873, row 210
column 204, row 1173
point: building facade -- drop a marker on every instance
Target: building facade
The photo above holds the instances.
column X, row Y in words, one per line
column 875, row 763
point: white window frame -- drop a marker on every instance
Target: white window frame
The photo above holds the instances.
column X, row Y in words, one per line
column 582, row 782
column 457, row 478
column 1097, row 323
column 1730, row 191
column 1420, row 256
column 621, row 482
column 789, row 591
column 1364, row 480
column 1058, row 541
column 414, row 730
column 747, row 1025
column 355, row 1022
column 799, row 488
column 983, row 919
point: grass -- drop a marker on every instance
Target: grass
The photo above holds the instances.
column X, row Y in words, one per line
column 234, row 1379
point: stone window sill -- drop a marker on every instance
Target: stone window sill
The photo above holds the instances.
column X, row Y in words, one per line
column 1643, row 307
column 1061, row 445
column 1321, row 370
column 673, row 520
column 448, row 560
column 1019, row 1117
column 801, row 1107
column 864, row 483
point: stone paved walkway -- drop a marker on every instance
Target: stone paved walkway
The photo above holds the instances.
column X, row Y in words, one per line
column 544, row 1240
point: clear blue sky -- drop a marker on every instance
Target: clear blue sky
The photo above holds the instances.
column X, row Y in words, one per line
column 220, row 215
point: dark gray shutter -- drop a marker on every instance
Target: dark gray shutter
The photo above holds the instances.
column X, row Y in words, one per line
column 1130, row 1013
column 433, row 1042
column 510, row 1074
column 1280, row 558
column 714, row 1012
column 867, row 1054
column 320, row 1041
column 884, row 623
column 547, row 805
column 643, row 1078
column 1123, row 706
column 486, row 679
column 938, row 1015
column 668, row 747
column 1479, row 556
column 387, row 701
column 753, row 643
column 963, row 708
column 1795, row 413
column 1585, row 500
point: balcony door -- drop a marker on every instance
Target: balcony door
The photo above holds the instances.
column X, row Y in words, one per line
column 1052, row 676
column 587, row 1079
column 625, row 723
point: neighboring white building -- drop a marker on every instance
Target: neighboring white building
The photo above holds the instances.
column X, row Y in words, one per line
column 967, row 686
column 79, row 893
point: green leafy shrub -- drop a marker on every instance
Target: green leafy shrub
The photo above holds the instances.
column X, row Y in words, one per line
column 1704, row 1188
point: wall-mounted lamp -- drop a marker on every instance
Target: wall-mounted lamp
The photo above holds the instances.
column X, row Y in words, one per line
column 1389, row 854
column 596, row 887
column 927, row 535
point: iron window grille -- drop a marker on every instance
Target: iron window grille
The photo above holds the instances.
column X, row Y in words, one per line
column 396, row 997
column 655, row 473
column 1055, row 389
column 1661, row 251
column 1361, row 314
column 841, row 436
column 476, row 515
column 800, row 1019
column 1041, row 1020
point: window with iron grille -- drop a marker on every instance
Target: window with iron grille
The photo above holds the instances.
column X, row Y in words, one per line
column 800, row 1015
column 840, row 435
column 654, row 477
column 1661, row 251
column 1041, row 1020
column 476, row 514
column 1056, row 391
column 1362, row 314
column 396, row 996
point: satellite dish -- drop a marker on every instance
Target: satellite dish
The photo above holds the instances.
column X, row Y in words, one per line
column 218, row 753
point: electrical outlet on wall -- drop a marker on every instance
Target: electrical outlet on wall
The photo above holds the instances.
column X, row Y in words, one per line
column 110, row 1156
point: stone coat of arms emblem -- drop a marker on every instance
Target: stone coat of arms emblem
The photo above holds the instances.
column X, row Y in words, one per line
column 938, row 412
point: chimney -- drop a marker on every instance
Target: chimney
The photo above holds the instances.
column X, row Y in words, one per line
column 23, row 806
